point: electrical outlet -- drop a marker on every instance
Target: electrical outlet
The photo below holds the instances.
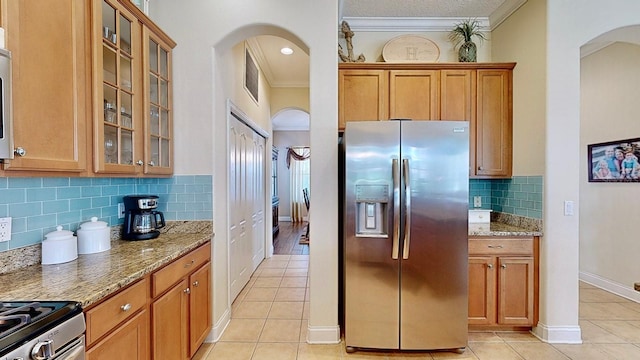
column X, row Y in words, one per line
column 477, row 201
column 120, row 210
column 568, row 208
column 5, row 229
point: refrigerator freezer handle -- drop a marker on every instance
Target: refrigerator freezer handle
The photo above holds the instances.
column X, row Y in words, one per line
column 396, row 209
column 407, row 204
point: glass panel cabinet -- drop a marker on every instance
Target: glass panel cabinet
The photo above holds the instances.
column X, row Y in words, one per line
column 132, row 104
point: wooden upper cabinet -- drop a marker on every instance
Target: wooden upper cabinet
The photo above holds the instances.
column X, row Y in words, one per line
column 494, row 124
column 49, row 45
column 362, row 95
column 413, row 94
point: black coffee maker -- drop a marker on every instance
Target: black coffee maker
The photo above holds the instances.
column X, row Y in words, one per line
column 141, row 221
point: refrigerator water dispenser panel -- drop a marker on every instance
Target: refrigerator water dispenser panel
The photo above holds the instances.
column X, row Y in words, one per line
column 371, row 209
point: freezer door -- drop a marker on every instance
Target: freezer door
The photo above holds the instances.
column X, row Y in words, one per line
column 371, row 268
column 433, row 298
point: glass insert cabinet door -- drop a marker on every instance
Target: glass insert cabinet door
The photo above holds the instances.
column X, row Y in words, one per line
column 159, row 125
column 119, row 32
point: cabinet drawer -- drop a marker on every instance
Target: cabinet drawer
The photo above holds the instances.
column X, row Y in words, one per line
column 501, row 246
column 172, row 273
column 108, row 314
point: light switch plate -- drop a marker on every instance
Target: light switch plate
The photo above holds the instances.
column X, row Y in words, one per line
column 5, row 229
column 568, row 208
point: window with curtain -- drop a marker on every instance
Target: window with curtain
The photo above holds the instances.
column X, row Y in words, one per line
column 298, row 163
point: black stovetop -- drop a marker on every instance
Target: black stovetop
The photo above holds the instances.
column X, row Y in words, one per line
column 21, row 321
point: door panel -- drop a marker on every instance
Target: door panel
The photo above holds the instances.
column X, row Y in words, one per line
column 434, row 266
column 371, row 275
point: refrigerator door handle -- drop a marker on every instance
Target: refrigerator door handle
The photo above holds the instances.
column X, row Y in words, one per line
column 396, row 209
column 407, row 204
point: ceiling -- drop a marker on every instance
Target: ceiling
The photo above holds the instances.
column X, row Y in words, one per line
column 376, row 15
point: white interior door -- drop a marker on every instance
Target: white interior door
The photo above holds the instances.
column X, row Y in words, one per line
column 246, row 203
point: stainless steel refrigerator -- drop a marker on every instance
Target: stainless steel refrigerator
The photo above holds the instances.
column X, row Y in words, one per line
column 405, row 234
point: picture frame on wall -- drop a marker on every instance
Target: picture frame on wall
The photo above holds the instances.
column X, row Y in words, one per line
column 251, row 75
column 614, row 161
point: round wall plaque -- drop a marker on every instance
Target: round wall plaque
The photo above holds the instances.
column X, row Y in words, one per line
column 410, row 49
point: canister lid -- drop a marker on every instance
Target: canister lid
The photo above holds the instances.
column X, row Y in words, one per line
column 59, row 234
column 94, row 224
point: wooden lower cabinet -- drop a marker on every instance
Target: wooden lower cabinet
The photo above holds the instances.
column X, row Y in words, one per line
column 503, row 282
column 128, row 341
column 181, row 308
column 164, row 316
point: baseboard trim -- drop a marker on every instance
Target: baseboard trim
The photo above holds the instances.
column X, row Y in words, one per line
column 611, row 286
column 323, row 334
column 558, row 334
column 219, row 327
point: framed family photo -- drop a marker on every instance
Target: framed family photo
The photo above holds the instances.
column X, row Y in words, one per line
column 614, row 161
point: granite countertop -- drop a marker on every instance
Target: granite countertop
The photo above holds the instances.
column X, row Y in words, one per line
column 92, row 277
column 501, row 229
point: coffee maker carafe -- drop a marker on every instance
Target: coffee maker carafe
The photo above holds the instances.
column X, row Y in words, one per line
column 141, row 220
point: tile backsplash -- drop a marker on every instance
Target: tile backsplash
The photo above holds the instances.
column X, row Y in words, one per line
column 520, row 195
column 38, row 205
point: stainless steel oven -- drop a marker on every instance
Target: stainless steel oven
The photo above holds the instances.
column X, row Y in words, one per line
column 45, row 330
column 6, row 136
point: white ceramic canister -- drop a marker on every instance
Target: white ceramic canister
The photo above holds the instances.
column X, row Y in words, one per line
column 59, row 247
column 94, row 236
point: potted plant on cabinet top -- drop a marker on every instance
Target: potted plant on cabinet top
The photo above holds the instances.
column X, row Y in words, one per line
column 461, row 36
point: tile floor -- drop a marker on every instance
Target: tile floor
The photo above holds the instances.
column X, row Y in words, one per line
column 269, row 321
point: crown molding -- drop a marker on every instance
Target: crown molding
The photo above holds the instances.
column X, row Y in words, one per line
column 392, row 24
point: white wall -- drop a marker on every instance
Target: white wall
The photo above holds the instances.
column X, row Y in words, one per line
column 282, row 140
column 567, row 32
column 608, row 237
column 206, row 32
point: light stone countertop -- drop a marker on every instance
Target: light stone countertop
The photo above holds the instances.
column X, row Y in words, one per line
column 92, row 277
column 502, row 229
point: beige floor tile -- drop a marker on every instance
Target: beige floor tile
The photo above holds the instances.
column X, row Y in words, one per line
column 299, row 257
column 484, row 336
column 621, row 351
column 298, row 264
column 594, row 334
column 607, row 311
column 251, row 310
column 623, row 329
column 283, row 257
column 319, row 352
column 493, row 351
column 274, row 264
column 276, row 330
column 583, row 351
column 291, row 310
column 517, row 336
column 290, row 294
column 261, row 294
column 584, row 285
column 631, row 305
column 203, row 351
column 466, row 355
column 246, row 330
column 271, row 272
column 305, row 311
column 304, row 330
column 275, row 351
column 267, row 282
column 294, row 281
column 232, row 351
column 598, row 295
column 367, row 354
column 537, row 351
column 295, row 272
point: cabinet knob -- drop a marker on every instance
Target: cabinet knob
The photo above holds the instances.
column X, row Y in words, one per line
column 151, row 163
column 20, row 151
column 187, row 291
column 196, row 283
column 504, row 266
column 480, row 168
column 140, row 162
column 490, row 266
column 125, row 307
